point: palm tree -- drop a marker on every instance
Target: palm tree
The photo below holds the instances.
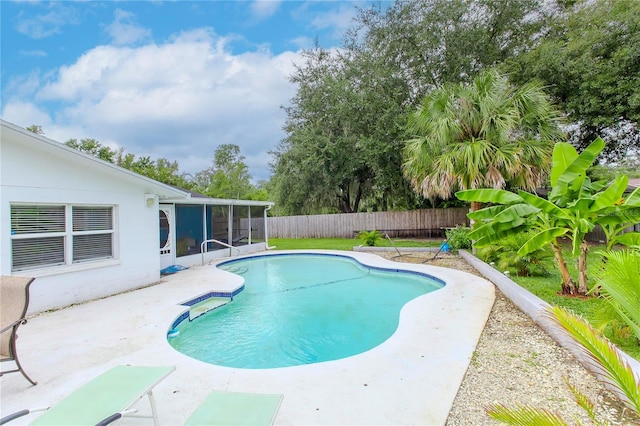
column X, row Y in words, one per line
column 486, row 134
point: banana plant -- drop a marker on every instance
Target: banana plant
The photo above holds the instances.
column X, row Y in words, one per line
column 574, row 207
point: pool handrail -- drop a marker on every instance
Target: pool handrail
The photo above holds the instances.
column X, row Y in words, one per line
column 202, row 247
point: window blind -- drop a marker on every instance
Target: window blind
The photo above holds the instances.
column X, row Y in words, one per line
column 37, row 219
column 90, row 247
column 36, row 252
column 92, row 218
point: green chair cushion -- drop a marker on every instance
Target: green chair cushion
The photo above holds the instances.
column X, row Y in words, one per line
column 109, row 393
column 234, row 408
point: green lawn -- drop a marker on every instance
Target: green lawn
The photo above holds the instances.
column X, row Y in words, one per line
column 341, row 243
column 547, row 288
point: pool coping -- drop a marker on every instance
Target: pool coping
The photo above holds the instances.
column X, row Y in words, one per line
column 412, row 378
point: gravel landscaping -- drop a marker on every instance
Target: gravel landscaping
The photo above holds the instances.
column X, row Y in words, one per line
column 517, row 363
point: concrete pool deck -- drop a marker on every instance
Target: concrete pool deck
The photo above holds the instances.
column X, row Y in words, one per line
column 412, row 378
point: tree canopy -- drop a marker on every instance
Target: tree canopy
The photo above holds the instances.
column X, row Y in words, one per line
column 589, row 61
column 343, row 138
column 345, row 125
column 228, row 177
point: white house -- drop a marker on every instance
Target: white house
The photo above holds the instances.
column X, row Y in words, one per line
column 86, row 228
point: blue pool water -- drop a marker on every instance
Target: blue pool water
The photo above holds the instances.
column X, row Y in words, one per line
column 300, row 309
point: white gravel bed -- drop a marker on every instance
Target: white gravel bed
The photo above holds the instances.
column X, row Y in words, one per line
column 517, row 363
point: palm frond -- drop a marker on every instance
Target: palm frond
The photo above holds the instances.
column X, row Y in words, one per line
column 603, row 355
column 583, row 401
column 524, row 416
column 493, row 135
column 619, row 281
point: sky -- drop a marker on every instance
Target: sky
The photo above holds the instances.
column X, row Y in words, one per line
column 164, row 79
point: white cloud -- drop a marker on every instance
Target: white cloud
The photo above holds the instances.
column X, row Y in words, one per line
column 178, row 100
column 25, row 114
column 124, row 30
column 263, row 9
column 47, row 24
column 340, row 18
column 37, row 53
column 23, row 86
column 303, row 42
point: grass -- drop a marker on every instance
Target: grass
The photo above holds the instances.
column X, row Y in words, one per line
column 341, row 243
column 547, row 287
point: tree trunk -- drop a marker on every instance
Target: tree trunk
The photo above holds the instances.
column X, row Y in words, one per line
column 356, row 203
column 568, row 286
column 475, row 206
column 344, row 200
column 582, row 268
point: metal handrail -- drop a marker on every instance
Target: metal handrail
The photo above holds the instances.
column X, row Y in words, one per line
column 202, row 247
column 394, row 246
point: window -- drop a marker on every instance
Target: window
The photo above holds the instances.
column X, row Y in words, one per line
column 189, row 229
column 257, row 224
column 240, row 231
column 55, row 235
column 217, row 221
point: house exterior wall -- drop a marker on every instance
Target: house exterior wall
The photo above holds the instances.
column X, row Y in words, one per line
column 38, row 174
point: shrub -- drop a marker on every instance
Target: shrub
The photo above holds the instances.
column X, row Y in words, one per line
column 505, row 255
column 458, row 238
column 369, row 238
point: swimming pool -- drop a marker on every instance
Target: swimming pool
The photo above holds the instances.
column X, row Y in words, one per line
column 298, row 309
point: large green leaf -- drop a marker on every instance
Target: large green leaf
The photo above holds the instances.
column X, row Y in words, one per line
column 580, row 206
column 515, row 211
column 486, row 213
column 576, row 239
column 633, row 200
column 485, row 195
column 541, row 239
column 544, row 205
column 610, row 196
column 563, row 155
column 629, row 239
column 574, row 174
column 482, row 242
column 495, row 231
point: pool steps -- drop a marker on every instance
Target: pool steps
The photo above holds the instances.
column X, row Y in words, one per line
column 207, row 305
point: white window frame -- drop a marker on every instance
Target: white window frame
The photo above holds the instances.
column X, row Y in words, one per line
column 68, row 238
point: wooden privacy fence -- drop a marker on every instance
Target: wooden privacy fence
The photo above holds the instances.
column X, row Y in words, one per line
column 429, row 223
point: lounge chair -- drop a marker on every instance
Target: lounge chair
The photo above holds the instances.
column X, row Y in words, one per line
column 14, row 301
column 235, row 408
column 228, row 409
column 115, row 390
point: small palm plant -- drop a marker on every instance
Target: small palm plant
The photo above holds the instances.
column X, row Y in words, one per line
column 505, row 255
column 616, row 372
column 619, row 284
column 369, row 238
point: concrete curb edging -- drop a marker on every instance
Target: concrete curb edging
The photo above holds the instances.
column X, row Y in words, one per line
column 405, row 249
column 536, row 309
